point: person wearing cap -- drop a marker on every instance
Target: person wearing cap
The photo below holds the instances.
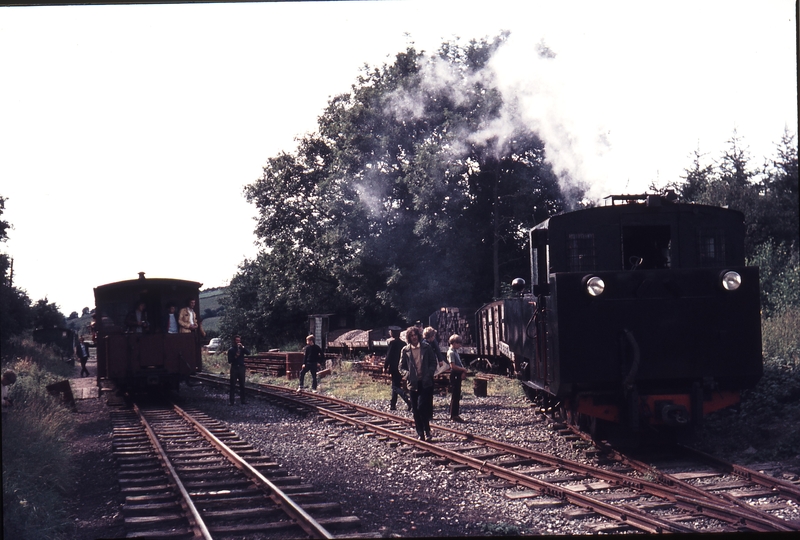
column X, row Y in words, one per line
column 312, row 358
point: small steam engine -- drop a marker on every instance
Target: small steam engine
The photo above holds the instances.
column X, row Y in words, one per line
column 642, row 312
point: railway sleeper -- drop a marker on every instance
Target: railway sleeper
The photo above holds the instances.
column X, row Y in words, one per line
column 149, row 509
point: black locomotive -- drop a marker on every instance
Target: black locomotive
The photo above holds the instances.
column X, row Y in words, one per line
column 144, row 356
column 642, row 312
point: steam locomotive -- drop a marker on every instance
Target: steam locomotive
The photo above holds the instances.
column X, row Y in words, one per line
column 641, row 312
column 146, row 356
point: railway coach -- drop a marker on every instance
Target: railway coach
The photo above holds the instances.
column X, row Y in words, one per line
column 641, row 312
column 147, row 356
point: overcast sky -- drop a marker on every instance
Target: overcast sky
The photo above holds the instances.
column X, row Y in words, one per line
column 127, row 133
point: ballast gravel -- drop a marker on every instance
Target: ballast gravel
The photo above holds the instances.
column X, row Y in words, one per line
column 396, row 490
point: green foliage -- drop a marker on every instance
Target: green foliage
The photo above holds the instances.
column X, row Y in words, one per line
column 500, row 529
column 15, row 314
column 767, row 195
column 47, row 315
column 36, row 456
column 15, row 305
column 779, row 273
column 781, row 337
column 414, row 193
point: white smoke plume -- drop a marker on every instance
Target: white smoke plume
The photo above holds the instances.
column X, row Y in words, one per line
column 531, row 79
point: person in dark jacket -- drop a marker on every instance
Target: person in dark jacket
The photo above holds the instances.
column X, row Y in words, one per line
column 429, row 337
column 390, row 366
column 236, row 356
column 312, row 358
column 82, row 351
column 418, row 364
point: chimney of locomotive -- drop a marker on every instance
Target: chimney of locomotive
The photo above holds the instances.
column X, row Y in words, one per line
column 141, row 276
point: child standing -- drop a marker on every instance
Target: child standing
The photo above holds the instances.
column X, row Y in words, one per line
column 457, row 370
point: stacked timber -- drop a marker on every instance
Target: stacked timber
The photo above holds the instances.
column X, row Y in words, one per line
column 275, row 363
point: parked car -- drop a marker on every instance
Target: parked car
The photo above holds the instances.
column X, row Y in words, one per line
column 213, row 345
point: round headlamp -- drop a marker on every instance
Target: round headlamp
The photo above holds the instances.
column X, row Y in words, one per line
column 731, row 280
column 595, row 286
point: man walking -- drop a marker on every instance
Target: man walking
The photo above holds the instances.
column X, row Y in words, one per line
column 312, row 358
column 236, row 356
column 82, row 351
column 418, row 364
column 391, row 365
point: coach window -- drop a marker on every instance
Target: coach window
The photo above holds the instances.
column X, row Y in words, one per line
column 646, row 247
column 581, row 253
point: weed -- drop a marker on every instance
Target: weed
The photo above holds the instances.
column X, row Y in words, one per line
column 377, row 463
column 500, row 529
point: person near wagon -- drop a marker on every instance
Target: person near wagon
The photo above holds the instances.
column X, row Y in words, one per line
column 172, row 319
column 418, row 364
column 136, row 321
column 82, row 352
column 236, row 356
column 188, row 319
column 429, row 336
column 312, row 358
column 457, row 372
column 390, row 365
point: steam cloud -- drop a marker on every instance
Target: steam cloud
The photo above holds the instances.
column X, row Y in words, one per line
column 532, row 80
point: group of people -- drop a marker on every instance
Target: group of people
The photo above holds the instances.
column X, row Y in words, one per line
column 416, row 363
column 312, row 358
column 183, row 322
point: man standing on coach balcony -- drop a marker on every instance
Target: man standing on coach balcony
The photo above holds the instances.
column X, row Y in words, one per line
column 236, row 356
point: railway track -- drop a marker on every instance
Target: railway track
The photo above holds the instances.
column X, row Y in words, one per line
column 185, row 475
column 628, row 499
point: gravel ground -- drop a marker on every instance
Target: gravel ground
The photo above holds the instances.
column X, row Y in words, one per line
column 394, row 490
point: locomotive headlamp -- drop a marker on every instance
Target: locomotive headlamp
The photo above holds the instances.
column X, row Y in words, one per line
column 595, row 286
column 731, row 280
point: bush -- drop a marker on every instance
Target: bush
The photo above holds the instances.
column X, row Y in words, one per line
column 780, row 337
column 36, row 456
column 779, row 272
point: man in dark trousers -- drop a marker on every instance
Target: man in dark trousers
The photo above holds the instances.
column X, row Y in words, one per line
column 418, row 364
column 236, row 360
column 393, row 350
column 312, row 358
column 82, row 351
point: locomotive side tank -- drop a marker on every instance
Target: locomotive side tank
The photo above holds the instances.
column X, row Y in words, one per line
column 643, row 312
column 152, row 358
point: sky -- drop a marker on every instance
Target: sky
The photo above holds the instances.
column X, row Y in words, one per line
column 128, row 132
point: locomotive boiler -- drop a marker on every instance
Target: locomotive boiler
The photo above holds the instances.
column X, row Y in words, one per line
column 641, row 312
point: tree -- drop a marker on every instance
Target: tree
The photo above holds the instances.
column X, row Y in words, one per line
column 414, row 193
column 696, row 179
column 15, row 306
column 47, row 315
column 781, row 181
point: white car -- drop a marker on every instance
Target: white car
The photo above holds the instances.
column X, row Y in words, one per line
column 213, row 345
